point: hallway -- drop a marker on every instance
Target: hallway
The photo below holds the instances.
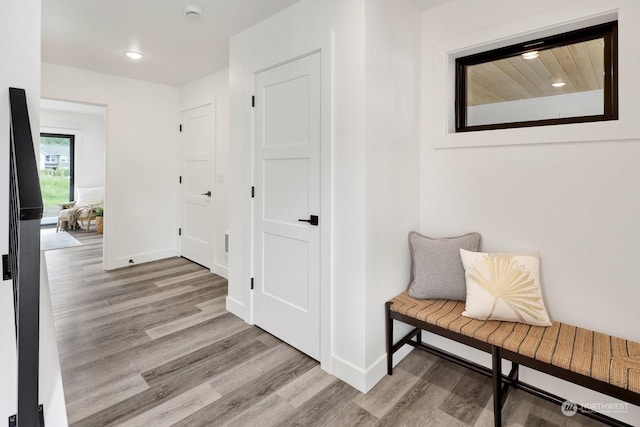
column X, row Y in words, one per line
column 153, row 345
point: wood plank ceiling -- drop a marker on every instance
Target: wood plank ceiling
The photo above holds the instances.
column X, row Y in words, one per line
column 580, row 66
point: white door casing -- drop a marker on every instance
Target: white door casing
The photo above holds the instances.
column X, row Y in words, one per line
column 197, row 151
column 286, row 149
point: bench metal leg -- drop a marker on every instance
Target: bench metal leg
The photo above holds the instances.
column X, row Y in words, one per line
column 389, row 336
column 513, row 380
column 497, row 385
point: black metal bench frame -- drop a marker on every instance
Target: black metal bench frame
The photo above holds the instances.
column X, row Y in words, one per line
column 501, row 383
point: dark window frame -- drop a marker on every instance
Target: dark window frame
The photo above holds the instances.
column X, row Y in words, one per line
column 72, row 158
column 608, row 31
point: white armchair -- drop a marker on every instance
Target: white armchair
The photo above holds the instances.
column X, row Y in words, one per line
column 82, row 208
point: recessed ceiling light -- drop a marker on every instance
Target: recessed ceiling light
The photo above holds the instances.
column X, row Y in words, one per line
column 530, row 55
column 134, row 55
column 558, row 84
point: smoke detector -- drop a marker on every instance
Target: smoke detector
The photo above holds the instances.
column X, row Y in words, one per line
column 192, row 10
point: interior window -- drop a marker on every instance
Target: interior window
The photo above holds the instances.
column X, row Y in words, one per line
column 565, row 78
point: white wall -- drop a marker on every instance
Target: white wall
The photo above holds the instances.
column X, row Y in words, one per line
column 24, row 74
column 51, row 387
column 89, row 144
column 20, row 53
column 337, row 27
column 214, row 89
column 392, row 75
column 141, row 203
column 575, row 202
column 587, row 103
column 371, row 165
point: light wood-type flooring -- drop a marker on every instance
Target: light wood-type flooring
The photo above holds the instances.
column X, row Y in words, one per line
column 152, row 345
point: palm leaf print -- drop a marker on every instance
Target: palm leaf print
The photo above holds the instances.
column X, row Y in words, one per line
column 505, row 279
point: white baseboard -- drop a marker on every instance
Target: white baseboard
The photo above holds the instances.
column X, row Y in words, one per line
column 139, row 258
column 349, row 373
column 378, row 369
column 234, row 306
column 365, row 380
column 221, row 270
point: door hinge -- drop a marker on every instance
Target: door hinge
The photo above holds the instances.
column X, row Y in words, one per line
column 6, row 268
column 179, row 231
column 252, row 283
column 253, row 100
column 180, row 180
column 253, row 192
column 180, row 128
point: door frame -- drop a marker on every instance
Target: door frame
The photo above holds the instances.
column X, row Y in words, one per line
column 323, row 44
column 107, row 262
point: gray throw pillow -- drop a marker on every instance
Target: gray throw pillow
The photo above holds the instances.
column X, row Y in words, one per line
column 436, row 268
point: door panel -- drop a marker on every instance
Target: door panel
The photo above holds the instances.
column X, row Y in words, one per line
column 280, row 280
column 286, row 183
column 287, row 114
column 287, row 178
column 197, row 215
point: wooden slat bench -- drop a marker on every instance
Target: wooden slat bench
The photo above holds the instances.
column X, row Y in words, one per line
column 600, row 362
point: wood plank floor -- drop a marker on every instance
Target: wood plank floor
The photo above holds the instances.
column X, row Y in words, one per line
column 151, row 345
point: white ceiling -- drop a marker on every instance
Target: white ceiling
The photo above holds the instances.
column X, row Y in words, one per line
column 426, row 4
column 95, row 34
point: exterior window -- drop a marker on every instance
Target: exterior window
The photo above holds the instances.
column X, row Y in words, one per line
column 57, row 175
column 566, row 78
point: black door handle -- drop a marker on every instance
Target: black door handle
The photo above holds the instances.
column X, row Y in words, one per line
column 208, row 193
column 313, row 220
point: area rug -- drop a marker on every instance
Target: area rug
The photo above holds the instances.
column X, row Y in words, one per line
column 50, row 240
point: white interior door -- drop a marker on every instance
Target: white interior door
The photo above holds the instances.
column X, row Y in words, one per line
column 287, row 176
column 198, row 164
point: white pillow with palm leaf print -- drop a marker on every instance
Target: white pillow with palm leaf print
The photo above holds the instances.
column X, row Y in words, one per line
column 504, row 287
